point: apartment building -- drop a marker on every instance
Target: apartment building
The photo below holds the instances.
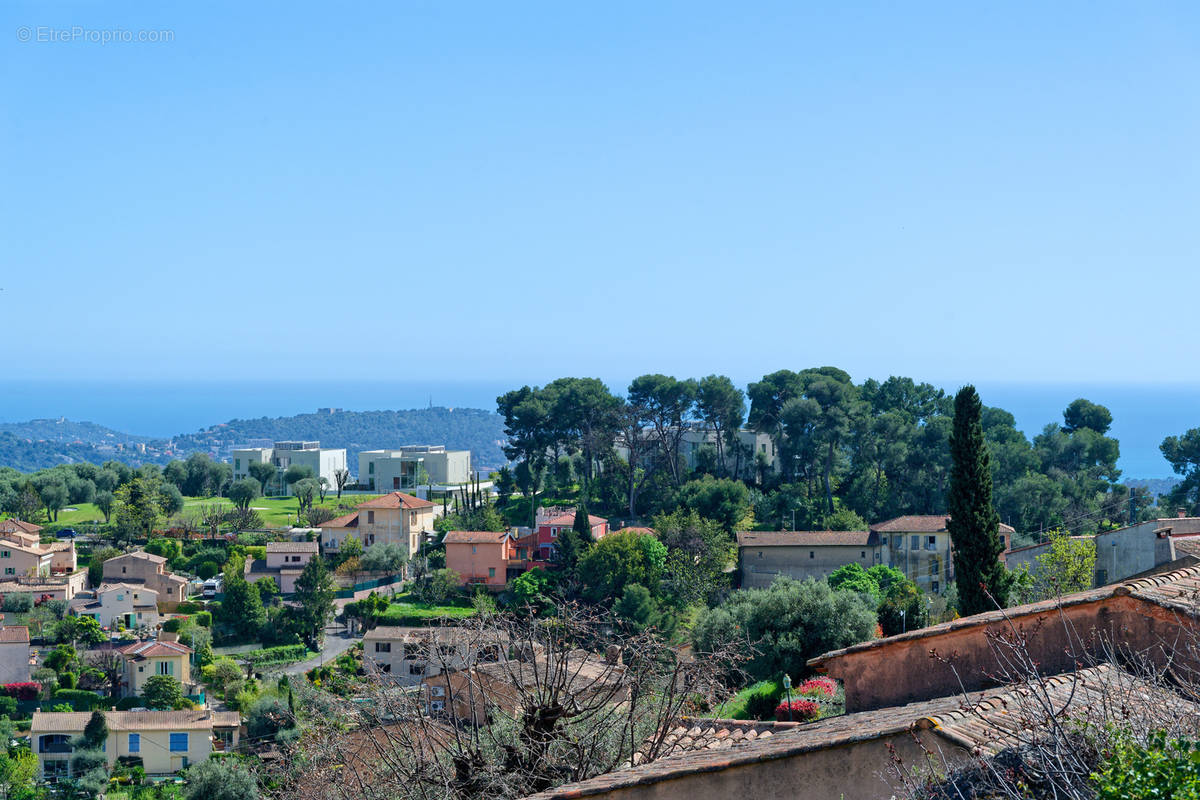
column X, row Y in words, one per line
column 322, row 461
column 165, row 742
column 411, row 466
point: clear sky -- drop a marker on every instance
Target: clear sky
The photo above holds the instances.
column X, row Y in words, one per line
column 958, row 191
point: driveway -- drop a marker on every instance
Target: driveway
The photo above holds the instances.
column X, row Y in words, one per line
column 337, row 641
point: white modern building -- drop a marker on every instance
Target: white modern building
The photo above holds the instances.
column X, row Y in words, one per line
column 322, row 461
column 411, row 466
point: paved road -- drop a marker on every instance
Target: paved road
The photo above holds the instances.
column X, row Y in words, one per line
column 336, row 643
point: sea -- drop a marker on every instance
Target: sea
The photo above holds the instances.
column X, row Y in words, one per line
column 1142, row 414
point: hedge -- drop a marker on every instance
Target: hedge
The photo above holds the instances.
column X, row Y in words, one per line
column 80, row 699
column 276, row 655
column 189, row 607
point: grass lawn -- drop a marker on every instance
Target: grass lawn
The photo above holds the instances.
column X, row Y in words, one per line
column 280, row 511
column 83, row 512
column 407, row 609
column 275, row 511
column 735, row 707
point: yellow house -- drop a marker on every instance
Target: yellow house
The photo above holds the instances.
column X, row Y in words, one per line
column 165, row 741
column 144, row 660
column 395, row 518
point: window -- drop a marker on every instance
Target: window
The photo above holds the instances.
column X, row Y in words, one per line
column 54, row 770
column 237, row 463
column 931, row 541
column 491, row 572
column 916, row 543
column 5, row 554
column 862, row 554
column 474, row 549
column 883, row 540
column 120, row 596
column 760, row 553
column 10, row 570
column 812, row 554
column 553, row 533
column 383, row 647
column 386, row 668
column 179, row 742
column 166, row 668
column 437, row 705
column 141, row 669
column 371, row 468
column 935, row 587
column 135, row 743
column 370, row 517
column 437, row 691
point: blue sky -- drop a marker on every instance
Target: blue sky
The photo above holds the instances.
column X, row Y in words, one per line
column 422, row 191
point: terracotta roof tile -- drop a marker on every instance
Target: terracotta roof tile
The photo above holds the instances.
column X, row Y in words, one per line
column 922, row 523
column 397, row 500
column 806, row 538
column 154, row 648
column 10, row 634
column 74, row 721
column 16, row 525
column 345, row 521
column 569, row 519
column 474, row 537
column 293, row 547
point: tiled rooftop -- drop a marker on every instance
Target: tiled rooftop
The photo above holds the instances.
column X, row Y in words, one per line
column 806, row 538
column 397, row 500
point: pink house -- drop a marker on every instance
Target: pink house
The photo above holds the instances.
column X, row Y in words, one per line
column 479, row 557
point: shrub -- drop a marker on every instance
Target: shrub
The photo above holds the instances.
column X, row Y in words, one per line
column 189, row 607
column 174, row 624
column 789, row 623
column 799, row 710
column 761, row 702
column 19, row 602
column 204, row 619
column 21, row 691
column 817, row 687
column 68, row 680
column 1157, row 769
column 8, row 707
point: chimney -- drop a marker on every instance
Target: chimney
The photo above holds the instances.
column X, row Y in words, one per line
column 1181, row 513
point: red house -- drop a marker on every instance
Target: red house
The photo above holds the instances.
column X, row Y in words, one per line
column 538, row 547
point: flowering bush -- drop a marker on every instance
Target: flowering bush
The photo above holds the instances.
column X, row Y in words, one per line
column 817, row 687
column 801, row 711
column 21, row 691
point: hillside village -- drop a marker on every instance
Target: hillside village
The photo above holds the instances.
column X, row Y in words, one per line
column 411, row 614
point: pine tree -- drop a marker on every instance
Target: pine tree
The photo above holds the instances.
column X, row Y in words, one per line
column 974, row 524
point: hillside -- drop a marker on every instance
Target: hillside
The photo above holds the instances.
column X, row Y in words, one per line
column 69, row 431
column 458, row 428
column 28, row 455
column 37, row 444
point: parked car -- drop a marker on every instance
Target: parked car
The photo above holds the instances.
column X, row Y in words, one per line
column 67, row 533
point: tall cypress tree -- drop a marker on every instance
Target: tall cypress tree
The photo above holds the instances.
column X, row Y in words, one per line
column 974, row 524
